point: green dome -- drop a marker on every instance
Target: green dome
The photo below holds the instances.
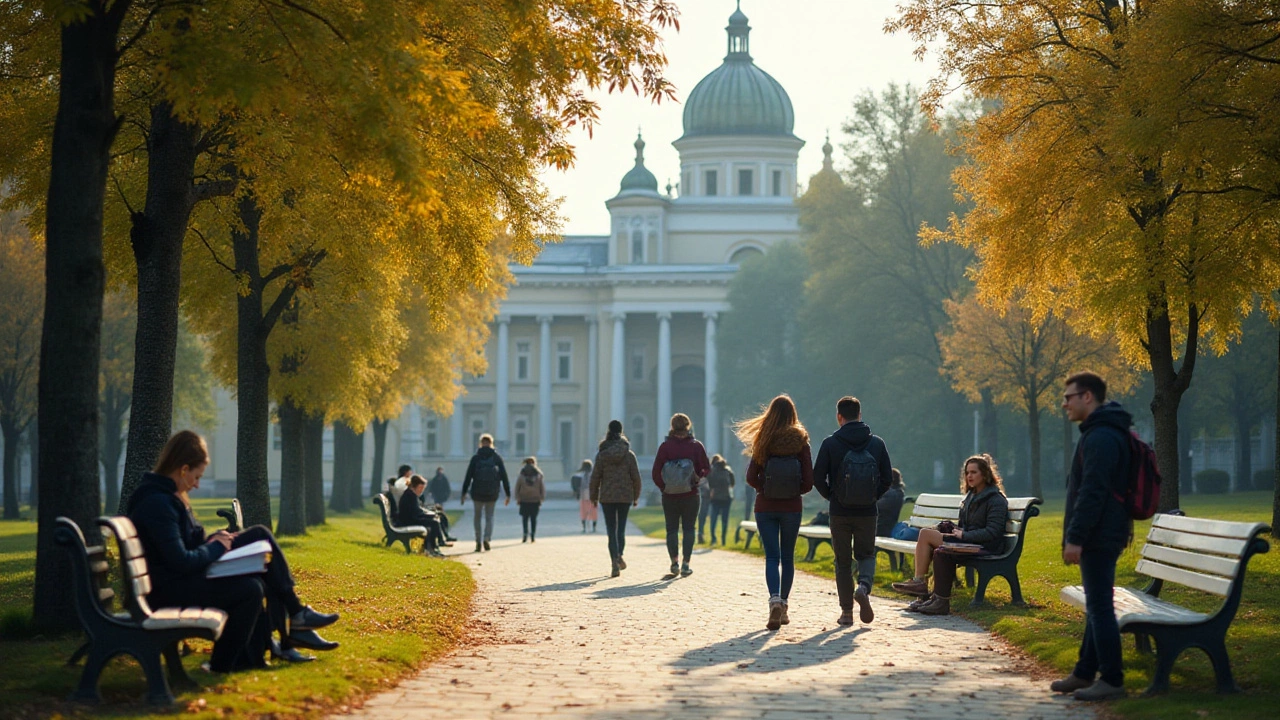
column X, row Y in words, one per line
column 639, row 177
column 738, row 98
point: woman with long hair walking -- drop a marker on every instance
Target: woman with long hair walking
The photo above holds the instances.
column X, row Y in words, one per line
column 781, row 471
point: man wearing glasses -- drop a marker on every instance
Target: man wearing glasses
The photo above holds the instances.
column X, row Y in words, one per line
column 1096, row 529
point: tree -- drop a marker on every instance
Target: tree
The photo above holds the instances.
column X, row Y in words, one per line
column 1022, row 362
column 1099, row 182
column 21, row 291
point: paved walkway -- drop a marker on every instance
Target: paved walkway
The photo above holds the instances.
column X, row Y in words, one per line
column 556, row 636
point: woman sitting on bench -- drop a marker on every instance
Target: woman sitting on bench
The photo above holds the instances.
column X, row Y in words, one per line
column 983, row 515
column 178, row 554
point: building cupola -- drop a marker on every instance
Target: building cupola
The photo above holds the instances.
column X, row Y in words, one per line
column 639, row 177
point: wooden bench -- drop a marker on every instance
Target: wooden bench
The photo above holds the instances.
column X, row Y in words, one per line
column 815, row 534
column 394, row 533
column 1207, row 555
column 930, row 509
column 144, row 633
column 233, row 516
column 748, row 527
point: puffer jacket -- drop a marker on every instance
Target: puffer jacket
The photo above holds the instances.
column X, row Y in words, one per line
column 789, row 442
column 615, row 478
column 529, row 485
column 983, row 516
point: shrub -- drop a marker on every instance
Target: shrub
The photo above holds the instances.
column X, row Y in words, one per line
column 1213, row 482
column 1264, row 479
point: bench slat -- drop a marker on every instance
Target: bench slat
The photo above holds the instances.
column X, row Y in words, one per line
column 1136, row 606
column 142, row 586
column 1212, row 564
column 1201, row 526
column 1020, row 504
column 1199, row 581
column 815, row 531
column 1198, row 543
column 748, row 525
column 902, row 546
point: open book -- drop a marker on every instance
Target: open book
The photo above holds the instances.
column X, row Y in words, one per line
column 247, row 560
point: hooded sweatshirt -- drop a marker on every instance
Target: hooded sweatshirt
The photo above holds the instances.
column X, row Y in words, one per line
column 172, row 540
column 529, row 486
column 790, row 442
column 486, row 453
column 1095, row 519
column 681, row 447
column 853, row 435
column 615, row 477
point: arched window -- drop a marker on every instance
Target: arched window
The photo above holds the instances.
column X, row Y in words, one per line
column 743, row 254
column 637, row 247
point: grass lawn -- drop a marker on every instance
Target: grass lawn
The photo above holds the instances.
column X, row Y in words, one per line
column 398, row 613
column 1050, row 630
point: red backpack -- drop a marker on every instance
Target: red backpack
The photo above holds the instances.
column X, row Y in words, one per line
column 1142, row 499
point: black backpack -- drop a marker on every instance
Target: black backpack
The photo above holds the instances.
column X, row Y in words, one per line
column 718, row 481
column 782, row 478
column 857, row 480
column 484, row 482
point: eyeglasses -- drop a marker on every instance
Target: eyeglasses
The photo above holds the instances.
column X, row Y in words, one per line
column 1067, row 396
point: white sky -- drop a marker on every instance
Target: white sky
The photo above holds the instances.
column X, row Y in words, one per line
column 824, row 52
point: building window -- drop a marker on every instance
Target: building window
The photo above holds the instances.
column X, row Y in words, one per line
column 477, row 429
column 653, row 246
column 777, row 183
column 622, row 247
column 433, row 436
column 564, row 360
column 635, row 434
column 637, row 247
column 637, row 363
column 275, row 436
column 712, row 182
column 566, row 443
column 523, row 358
column 745, row 183
column 520, row 435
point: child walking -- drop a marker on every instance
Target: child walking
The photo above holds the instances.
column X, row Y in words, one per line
column 530, row 492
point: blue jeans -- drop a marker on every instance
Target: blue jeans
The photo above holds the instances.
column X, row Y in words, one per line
column 778, row 532
column 1100, row 647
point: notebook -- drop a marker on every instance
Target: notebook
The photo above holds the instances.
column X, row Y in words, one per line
column 247, row 560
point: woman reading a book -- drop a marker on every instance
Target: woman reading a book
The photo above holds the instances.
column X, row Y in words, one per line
column 179, row 556
column 979, row 531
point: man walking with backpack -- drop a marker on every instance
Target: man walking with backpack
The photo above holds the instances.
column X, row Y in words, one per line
column 1096, row 529
column 486, row 475
column 852, row 471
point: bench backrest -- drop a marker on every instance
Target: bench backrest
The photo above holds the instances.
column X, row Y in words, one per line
column 133, row 565
column 932, row 508
column 91, row 577
column 384, row 505
column 234, row 516
column 1207, row 555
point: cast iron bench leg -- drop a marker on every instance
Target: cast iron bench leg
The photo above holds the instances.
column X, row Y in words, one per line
column 157, row 685
column 1217, row 652
column 178, row 677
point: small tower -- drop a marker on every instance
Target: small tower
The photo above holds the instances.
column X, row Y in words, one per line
column 638, row 212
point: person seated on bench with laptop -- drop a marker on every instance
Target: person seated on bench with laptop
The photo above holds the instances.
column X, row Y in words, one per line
column 179, row 553
column 410, row 512
column 984, row 512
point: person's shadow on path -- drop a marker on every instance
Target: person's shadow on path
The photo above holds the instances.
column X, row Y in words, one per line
column 560, row 587
column 629, row 591
column 751, row 652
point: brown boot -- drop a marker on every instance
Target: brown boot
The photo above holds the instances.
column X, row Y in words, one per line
column 938, row 606
column 919, row 588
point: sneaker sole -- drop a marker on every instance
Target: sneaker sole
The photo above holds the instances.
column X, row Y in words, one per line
column 775, row 619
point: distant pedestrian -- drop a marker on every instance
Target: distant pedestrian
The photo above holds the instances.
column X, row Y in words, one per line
column 530, row 492
column 678, row 468
column 400, row 484
column 439, row 488
column 704, row 509
column 486, row 477
column 720, row 482
column 615, row 483
column 889, row 506
column 781, row 471
column 1096, row 529
column 852, row 472
column 580, row 483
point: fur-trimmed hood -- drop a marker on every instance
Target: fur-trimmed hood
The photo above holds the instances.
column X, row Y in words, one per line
column 788, row 441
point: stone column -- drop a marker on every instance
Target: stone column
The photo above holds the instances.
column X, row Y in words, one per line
column 593, row 379
column 712, row 438
column 664, row 371
column 618, row 376
column 457, row 429
column 500, row 424
column 544, row 386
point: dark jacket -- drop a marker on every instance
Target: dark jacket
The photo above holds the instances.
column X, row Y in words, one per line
column 791, row 442
column 172, row 540
column 485, row 452
column 888, row 510
column 677, row 447
column 983, row 516
column 439, row 489
column 410, row 511
column 1095, row 519
column 853, row 435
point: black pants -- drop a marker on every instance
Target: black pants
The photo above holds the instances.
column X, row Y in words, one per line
column 240, row 597
column 853, row 539
column 615, row 526
column 282, row 599
column 681, row 514
column 529, row 517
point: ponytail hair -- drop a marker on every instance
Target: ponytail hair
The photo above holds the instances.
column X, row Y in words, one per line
column 184, row 448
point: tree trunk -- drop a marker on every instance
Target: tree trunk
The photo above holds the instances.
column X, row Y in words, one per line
column 253, row 374
column 990, row 425
column 83, row 130
column 33, row 452
column 355, row 493
column 339, row 492
column 313, row 467
column 1170, row 385
column 380, row 454
column 293, row 491
column 1275, row 461
column 112, row 447
column 1033, row 427
column 157, row 234
column 1185, row 470
column 11, row 436
column 1068, row 446
column 1244, row 458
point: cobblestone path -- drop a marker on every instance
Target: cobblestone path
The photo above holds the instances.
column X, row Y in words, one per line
column 566, row 640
